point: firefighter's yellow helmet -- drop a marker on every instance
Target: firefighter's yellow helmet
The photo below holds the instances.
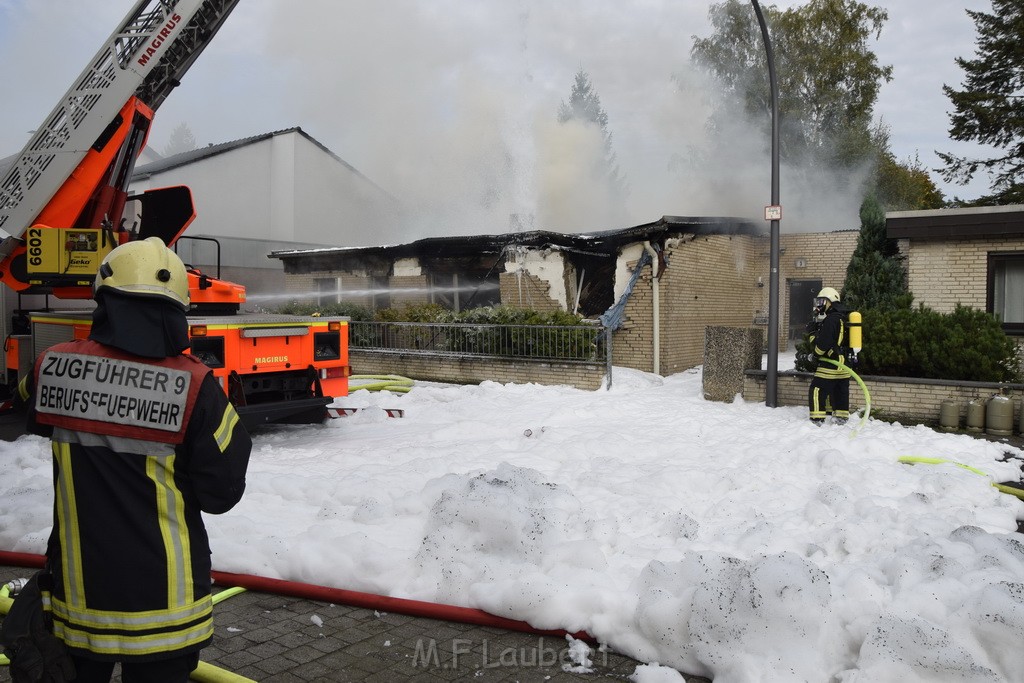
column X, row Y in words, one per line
column 145, row 268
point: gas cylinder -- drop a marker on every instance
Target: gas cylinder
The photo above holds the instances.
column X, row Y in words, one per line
column 949, row 415
column 999, row 416
column 975, row 415
column 853, row 325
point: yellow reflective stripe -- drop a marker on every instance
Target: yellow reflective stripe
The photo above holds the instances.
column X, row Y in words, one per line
column 816, row 409
column 67, row 518
column 173, row 530
column 151, row 620
column 119, row 644
column 23, row 391
column 222, row 435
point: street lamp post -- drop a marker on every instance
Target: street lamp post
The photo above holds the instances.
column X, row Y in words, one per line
column 771, row 385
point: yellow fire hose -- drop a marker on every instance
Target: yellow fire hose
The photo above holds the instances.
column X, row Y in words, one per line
column 204, row 673
column 1002, row 488
column 5, row 607
column 395, row 383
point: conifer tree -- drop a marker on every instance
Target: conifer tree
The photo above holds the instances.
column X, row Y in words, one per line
column 181, row 140
column 876, row 277
column 990, row 107
column 585, row 105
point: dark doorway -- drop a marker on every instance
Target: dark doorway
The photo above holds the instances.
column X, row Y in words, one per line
column 801, row 301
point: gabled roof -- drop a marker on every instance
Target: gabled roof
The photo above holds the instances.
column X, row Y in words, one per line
column 198, row 154
column 604, row 243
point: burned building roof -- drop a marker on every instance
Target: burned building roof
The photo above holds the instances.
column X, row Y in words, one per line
column 604, row 243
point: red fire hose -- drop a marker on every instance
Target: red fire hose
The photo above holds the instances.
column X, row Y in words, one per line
column 383, row 603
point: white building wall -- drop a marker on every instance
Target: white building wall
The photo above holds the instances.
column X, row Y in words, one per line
column 282, row 192
column 230, row 191
column 283, row 189
column 337, row 206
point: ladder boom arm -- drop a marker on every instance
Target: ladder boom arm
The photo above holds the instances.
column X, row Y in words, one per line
column 146, row 56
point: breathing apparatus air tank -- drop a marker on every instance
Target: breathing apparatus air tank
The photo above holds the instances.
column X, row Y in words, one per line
column 854, row 329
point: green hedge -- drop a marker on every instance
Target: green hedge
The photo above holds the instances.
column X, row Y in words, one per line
column 965, row 345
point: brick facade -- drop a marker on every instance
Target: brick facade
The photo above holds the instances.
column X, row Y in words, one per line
column 408, row 290
column 821, row 256
column 943, row 273
column 707, row 280
column 722, row 280
column 526, row 290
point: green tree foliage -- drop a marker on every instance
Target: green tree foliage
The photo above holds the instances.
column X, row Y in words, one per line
column 906, row 186
column 828, row 78
column 990, row 107
column 876, row 277
column 828, row 82
column 965, row 345
column 584, row 105
column 353, row 311
column 902, row 185
column 181, row 140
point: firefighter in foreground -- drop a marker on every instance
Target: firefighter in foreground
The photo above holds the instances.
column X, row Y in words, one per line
column 830, row 389
column 143, row 441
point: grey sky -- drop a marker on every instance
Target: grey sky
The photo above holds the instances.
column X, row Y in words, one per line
column 450, row 104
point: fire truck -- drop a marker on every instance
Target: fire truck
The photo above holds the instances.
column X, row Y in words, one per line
column 64, row 205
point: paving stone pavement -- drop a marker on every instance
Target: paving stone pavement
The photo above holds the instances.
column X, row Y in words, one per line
column 280, row 639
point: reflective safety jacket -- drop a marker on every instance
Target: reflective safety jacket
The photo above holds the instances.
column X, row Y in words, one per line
column 829, row 345
column 140, row 448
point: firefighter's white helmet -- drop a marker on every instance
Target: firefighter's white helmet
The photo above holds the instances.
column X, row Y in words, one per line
column 145, row 268
column 830, row 294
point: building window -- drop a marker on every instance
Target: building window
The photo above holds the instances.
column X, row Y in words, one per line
column 328, row 290
column 1006, row 289
column 463, row 291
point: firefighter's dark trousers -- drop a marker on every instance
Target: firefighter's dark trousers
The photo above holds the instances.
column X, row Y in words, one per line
column 174, row 670
column 829, row 397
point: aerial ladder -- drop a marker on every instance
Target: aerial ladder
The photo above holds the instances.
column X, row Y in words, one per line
column 73, row 174
column 64, row 205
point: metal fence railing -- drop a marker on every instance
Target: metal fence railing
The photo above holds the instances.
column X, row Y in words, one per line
column 579, row 343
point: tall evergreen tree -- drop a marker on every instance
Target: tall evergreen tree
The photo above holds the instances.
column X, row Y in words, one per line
column 181, row 140
column 585, row 105
column 876, row 277
column 990, row 107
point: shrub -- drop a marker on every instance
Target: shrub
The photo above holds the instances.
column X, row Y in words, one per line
column 965, row 345
column 415, row 313
column 353, row 311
